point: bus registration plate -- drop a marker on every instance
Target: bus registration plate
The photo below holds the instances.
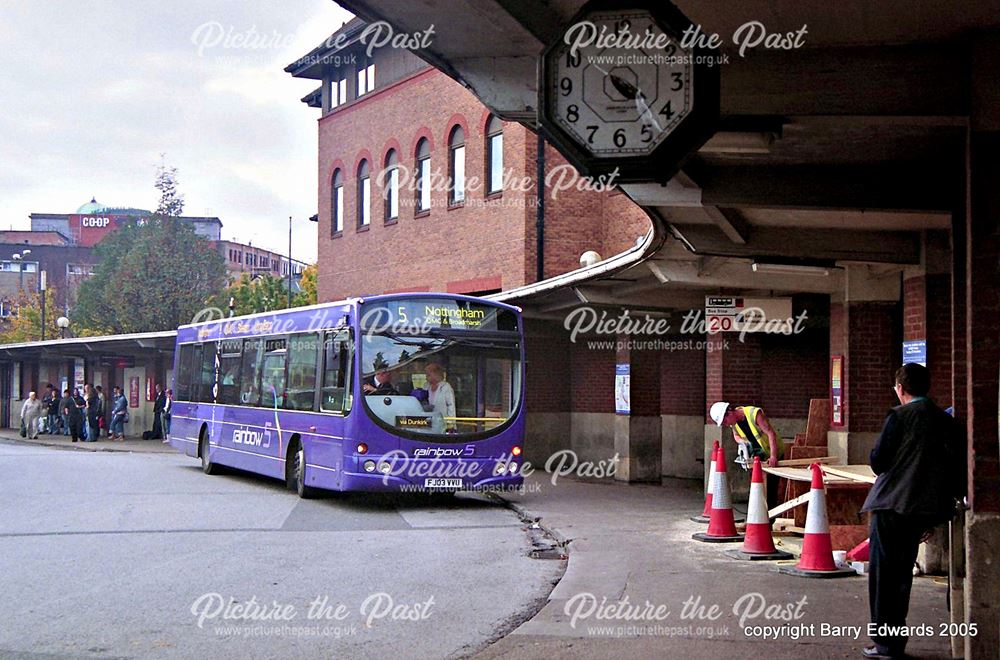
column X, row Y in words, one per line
column 442, row 483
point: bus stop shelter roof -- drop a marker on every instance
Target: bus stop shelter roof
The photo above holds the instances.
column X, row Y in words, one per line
column 141, row 344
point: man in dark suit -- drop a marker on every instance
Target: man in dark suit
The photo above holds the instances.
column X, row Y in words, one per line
column 380, row 384
column 158, row 403
column 920, row 462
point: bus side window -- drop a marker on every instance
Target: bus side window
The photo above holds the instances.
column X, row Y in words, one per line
column 272, row 388
column 206, row 373
column 253, row 355
column 336, row 372
column 229, row 371
column 185, row 371
column 302, row 369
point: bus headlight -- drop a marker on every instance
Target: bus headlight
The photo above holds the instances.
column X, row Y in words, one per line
column 512, row 468
column 384, row 467
column 369, row 466
column 499, row 469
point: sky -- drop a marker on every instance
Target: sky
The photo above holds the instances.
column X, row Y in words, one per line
column 94, row 91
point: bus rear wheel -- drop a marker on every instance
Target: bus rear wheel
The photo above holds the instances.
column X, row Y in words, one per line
column 207, row 466
column 296, row 472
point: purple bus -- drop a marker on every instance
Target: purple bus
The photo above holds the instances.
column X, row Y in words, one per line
column 418, row 391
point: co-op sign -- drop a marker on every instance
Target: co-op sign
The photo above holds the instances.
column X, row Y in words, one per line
column 745, row 315
column 90, row 229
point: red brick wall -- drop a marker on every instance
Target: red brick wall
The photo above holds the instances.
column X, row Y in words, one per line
column 645, row 380
column 914, row 308
column 549, row 374
column 741, row 374
column 593, row 379
column 795, row 370
column 449, row 248
column 874, row 358
column 682, row 381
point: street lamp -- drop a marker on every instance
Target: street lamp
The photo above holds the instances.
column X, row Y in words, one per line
column 19, row 258
column 63, row 324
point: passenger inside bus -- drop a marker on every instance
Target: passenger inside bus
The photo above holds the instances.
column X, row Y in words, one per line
column 380, row 384
column 440, row 395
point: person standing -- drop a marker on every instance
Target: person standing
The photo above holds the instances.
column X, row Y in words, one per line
column 158, row 404
column 920, row 462
column 92, row 403
column 31, row 411
column 119, row 407
column 101, row 411
column 72, row 407
column 440, row 394
column 167, row 405
column 50, row 408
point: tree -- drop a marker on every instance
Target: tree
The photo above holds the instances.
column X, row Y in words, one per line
column 27, row 324
column 262, row 293
column 307, row 288
column 151, row 274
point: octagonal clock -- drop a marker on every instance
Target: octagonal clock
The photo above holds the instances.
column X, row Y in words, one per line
column 617, row 91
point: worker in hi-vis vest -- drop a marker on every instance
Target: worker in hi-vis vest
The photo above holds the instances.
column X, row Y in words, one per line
column 750, row 427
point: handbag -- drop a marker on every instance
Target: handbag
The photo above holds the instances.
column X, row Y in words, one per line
column 125, row 417
column 24, row 429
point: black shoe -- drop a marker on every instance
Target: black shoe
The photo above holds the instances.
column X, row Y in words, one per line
column 74, row 440
column 874, row 651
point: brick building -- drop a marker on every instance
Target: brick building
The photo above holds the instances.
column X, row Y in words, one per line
column 394, row 133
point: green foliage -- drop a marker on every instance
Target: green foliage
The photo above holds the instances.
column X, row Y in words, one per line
column 263, row 293
column 27, row 325
column 150, row 276
column 307, row 285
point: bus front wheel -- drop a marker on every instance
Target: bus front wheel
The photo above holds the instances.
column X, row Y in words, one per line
column 207, row 466
column 296, row 472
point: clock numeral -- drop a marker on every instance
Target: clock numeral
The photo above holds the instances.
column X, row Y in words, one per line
column 667, row 111
column 573, row 113
column 573, row 60
column 678, row 81
column 593, row 132
column 622, row 26
column 620, row 138
column 647, row 133
column 670, row 49
column 566, row 85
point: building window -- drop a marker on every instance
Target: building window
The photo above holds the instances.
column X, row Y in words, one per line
column 338, row 92
column 423, row 175
column 364, row 195
column 366, row 79
column 337, row 204
column 456, row 166
column 494, row 155
column 391, row 184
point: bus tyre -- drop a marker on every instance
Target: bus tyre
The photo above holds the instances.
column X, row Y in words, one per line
column 297, row 472
column 207, row 466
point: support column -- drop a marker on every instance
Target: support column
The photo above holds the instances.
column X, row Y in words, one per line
column 982, row 304
column 638, row 435
column 864, row 325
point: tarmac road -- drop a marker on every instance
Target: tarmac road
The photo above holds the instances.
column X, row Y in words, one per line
column 112, row 555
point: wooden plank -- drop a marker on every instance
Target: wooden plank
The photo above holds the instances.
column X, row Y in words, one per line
column 790, row 504
column 795, row 462
column 852, row 472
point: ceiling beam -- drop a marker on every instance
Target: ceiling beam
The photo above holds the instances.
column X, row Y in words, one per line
column 730, row 222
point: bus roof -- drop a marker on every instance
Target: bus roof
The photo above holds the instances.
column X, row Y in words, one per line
column 351, row 302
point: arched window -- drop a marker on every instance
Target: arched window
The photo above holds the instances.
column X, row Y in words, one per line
column 337, row 203
column 494, row 155
column 423, row 175
column 364, row 195
column 391, row 182
column 456, row 166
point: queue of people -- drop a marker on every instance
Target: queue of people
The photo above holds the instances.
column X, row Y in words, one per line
column 85, row 416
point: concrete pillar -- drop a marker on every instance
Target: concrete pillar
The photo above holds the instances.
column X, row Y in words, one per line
column 982, row 304
column 863, row 328
column 638, row 435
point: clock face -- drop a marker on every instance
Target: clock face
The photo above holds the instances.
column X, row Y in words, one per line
column 624, row 88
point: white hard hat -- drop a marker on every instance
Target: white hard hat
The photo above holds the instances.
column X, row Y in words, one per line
column 718, row 411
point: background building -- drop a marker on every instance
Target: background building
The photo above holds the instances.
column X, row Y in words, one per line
column 394, row 137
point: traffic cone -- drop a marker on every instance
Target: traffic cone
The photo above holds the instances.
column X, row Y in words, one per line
column 759, row 543
column 707, row 511
column 721, row 524
column 817, row 549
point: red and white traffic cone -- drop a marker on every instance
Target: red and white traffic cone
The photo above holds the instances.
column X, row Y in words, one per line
column 817, row 548
column 721, row 524
column 707, row 511
column 759, row 543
